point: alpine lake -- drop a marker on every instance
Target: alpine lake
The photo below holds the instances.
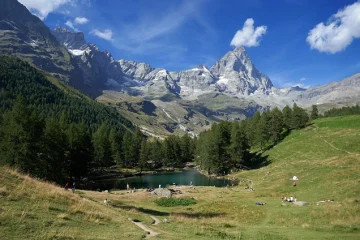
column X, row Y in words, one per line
column 164, row 179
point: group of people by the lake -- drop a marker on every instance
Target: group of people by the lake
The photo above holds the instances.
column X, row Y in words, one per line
column 289, row 199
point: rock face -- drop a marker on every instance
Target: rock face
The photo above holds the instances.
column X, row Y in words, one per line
column 70, row 40
column 237, row 75
column 26, row 36
column 347, row 90
column 139, row 71
column 99, row 68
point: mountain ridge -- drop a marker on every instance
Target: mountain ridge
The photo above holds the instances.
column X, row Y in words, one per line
column 191, row 99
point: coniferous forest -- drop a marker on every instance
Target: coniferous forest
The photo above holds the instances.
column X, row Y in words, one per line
column 54, row 132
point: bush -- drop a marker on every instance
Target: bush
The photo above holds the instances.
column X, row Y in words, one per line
column 173, row 202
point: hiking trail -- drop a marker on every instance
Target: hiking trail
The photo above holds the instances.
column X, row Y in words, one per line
column 157, row 221
column 150, row 232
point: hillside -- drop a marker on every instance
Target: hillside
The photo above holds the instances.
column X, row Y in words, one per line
column 49, row 97
column 25, row 36
column 325, row 157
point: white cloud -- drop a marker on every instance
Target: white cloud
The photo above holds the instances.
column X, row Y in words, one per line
column 294, row 84
column 248, row 36
column 302, row 79
column 341, row 29
column 71, row 25
column 81, row 20
column 77, row 21
column 42, row 8
column 105, row 34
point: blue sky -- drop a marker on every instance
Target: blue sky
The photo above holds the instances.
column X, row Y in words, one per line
column 294, row 42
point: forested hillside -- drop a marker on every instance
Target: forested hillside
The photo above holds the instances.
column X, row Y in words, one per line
column 20, row 78
column 52, row 131
column 344, row 111
column 233, row 145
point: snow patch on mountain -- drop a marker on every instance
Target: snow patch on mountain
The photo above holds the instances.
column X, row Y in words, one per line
column 76, row 52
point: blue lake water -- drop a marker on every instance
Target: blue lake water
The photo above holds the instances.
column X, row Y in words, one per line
column 163, row 179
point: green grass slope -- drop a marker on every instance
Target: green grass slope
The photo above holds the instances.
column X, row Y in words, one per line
column 325, row 156
column 31, row 209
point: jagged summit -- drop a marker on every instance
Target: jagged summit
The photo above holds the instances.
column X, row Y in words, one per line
column 239, row 51
column 61, row 29
column 71, row 40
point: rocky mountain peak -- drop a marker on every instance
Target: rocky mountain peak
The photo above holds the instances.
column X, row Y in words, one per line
column 60, row 29
column 238, row 76
column 69, row 39
column 238, row 51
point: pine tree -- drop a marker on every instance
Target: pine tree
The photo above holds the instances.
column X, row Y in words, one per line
column 239, row 146
column 299, row 118
column 262, row 134
column 54, row 151
column 21, row 131
column 314, row 112
column 287, row 117
column 79, row 150
column 223, row 136
column 128, row 155
column 186, row 151
column 102, row 147
column 144, row 155
column 116, row 147
column 276, row 125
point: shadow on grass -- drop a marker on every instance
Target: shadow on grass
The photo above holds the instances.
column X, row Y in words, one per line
column 258, row 161
column 140, row 209
column 199, row 215
column 163, row 214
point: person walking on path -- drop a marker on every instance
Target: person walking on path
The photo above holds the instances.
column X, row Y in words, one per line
column 73, row 187
column 67, row 185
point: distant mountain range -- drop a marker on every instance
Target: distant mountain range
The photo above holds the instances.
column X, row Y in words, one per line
column 159, row 101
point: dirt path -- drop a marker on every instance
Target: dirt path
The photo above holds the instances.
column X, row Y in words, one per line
column 150, row 232
column 330, row 144
column 157, row 221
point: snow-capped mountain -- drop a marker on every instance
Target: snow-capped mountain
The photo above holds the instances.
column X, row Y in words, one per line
column 234, row 74
column 238, row 76
column 155, row 98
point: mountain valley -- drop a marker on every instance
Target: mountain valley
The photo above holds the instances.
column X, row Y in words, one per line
column 159, row 101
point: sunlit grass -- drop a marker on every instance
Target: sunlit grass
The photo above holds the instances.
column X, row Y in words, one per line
column 324, row 156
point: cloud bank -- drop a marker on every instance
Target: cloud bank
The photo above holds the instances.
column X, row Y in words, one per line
column 42, row 8
column 104, row 34
column 248, row 36
column 338, row 33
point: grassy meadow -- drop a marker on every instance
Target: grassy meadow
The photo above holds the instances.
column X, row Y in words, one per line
column 325, row 156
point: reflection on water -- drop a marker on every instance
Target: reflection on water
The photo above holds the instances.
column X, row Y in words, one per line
column 163, row 179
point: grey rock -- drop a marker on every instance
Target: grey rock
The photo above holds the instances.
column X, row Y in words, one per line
column 161, row 192
column 301, row 203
